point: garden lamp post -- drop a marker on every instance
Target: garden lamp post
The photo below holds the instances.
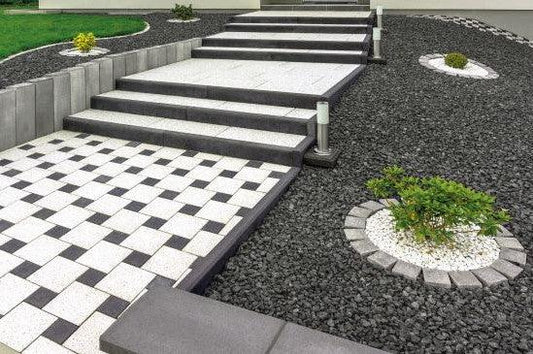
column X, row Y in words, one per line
column 322, row 128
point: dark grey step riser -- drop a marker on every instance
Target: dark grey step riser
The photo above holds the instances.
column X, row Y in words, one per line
column 276, row 56
column 311, row 20
column 222, row 93
column 316, row 7
column 297, row 29
column 252, row 43
column 226, row 147
column 206, row 115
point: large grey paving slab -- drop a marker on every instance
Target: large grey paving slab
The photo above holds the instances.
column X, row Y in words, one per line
column 167, row 320
column 8, row 123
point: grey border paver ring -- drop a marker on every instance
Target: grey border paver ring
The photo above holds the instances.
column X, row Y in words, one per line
column 425, row 60
column 507, row 267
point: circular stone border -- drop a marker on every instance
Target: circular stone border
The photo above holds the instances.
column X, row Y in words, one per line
column 74, row 52
column 508, row 266
column 424, row 60
column 176, row 20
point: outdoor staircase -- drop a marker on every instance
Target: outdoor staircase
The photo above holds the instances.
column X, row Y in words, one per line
column 249, row 92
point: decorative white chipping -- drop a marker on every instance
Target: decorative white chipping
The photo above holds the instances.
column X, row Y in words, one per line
column 473, row 69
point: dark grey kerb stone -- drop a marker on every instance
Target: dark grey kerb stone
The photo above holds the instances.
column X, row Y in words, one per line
column 508, row 269
column 364, row 247
column 408, row 270
column 296, row 339
column 382, row 260
column 355, row 223
column 489, row 276
column 509, row 242
column 355, row 234
column 513, row 256
column 436, row 277
column 359, row 212
column 465, row 279
column 372, row 205
column 166, row 320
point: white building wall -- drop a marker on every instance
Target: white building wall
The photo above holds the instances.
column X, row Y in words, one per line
column 146, row 4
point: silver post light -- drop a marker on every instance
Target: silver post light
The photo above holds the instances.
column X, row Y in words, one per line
column 322, row 127
column 376, row 36
column 379, row 13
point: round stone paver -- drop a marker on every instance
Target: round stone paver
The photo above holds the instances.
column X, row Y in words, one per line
column 507, row 267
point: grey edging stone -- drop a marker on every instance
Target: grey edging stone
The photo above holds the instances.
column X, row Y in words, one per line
column 507, row 267
column 61, row 98
column 424, row 61
column 44, row 106
column 24, row 111
column 167, row 320
column 77, row 89
column 8, row 121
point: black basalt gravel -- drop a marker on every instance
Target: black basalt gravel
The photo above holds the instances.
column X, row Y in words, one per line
column 298, row 265
column 38, row 63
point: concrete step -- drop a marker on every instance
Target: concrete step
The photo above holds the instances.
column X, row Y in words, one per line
column 282, row 148
column 315, row 17
column 275, row 83
column 293, row 55
column 297, row 27
column 244, row 115
column 324, row 41
column 317, row 7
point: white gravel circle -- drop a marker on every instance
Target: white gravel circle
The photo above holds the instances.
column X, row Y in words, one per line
column 469, row 69
column 176, row 20
column 470, row 251
column 73, row 52
column 472, row 70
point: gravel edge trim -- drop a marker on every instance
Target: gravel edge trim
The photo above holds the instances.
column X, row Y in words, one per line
column 508, row 266
column 424, row 60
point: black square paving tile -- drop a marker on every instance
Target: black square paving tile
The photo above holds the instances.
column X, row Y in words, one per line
column 155, row 223
column 250, row 186
column 113, row 306
column 76, row 158
column 150, row 181
column 91, row 277
column 213, row 227
column 189, row 209
column 57, row 231
column 68, row 188
column 276, row 174
column 133, row 144
column 12, row 245
column 221, row 197
column 147, row 152
column 26, row 147
column 243, row 211
column 82, row 202
column 160, row 281
column 119, row 159
column 227, row 174
column 56, row 176
column 208, row 163
column 117, row 192
column 32, row 198
column 106, row 151
column 21, row 184
column 89, row 168
column 40, row 297
column 137, row 259
column 190, row 153
column 44, row 213
column 169, row 195
column 116, row 237
column 25, row 269
column 73, row 252
column 134, row 170
column 12, row 173
column 254, row 164
column 35, row 155
column 199, row 184
column 45, row 165
column 163, row 162
column 55, row 141
column 98, row 218
column 135, row 206
column 180, row 172
column 94, row 143
column 82, row 136
column 60, row 331
column 66, row 149
column 4, row 162
column 103, row 179
column 177, row 242
column 4, row 225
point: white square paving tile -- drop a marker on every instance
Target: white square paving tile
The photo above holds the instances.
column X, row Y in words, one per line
column 184, row 225
column 216, row 211
column 86, row 340
column 44, row 345
column 230, row 225
column 86, row 235
column 23, row 164
column 71, row 216
column 79, row 177
column 168, row 153
column 108, row 204
column 126, row 180
column 28, row 229
column 67, row 167
column 127, row 151
column 9, row 195
column 185, row 162
column 252, row 174
column 55, row 157
column 225, row 185
column 204, row 173
column 8, row 262
column 143, row 193
column 126, row 221
column 169, row 262
column 275, row 167
column 13, row 290
column 44, row 186
column 57, row 274
column 125, row 281
column 111, row 169
column 17, row 331
column 267, row 185
column 4, row 239
column 93, row 190
column 56, row 200
column 156, row 171
column 41, row 250
column 104, row 256
column 174, row 183
column 146, row 240
column 195, row 196
column 98, row 159
column 33, row 175
column 246, row 198
column 76, row 303
column 231, row 164
column 141, row 161
column 6, row 181
column 202, row 243
column 162, row 208
column 18, row 211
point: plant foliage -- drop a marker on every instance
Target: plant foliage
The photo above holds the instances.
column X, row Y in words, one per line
column 84, row 42
column 184, row 13
column 456, row 60
column 432, row 207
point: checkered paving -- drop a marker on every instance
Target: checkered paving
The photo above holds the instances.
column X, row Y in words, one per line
column 480, row 26
column 88, row 223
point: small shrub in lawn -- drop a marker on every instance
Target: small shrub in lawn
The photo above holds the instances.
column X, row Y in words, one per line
column 184, row 13
column 431, row 207
column 84, row 42
column 456, row 60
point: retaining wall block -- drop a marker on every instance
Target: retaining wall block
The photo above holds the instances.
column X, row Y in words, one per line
column 92, row 81
column 44, row 106
column 180, row 51
column 142, row 60
column 119, row 65
column 8, row 123
column 77, row 89
column 61, row 98
column 131, row 62
column 196, row 42
column 107, row 81
column 24, row 111
column 172, row 53
column 187, row 48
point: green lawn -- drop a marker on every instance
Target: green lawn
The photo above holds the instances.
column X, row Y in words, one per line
column 23, row 32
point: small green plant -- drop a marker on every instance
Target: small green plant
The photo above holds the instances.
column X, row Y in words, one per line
column 84, row 42
column 456, row 60
column 432, row 207
column 184, row 13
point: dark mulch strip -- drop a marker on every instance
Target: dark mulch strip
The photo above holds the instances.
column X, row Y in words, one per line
column 298, row 265
column 48, row 60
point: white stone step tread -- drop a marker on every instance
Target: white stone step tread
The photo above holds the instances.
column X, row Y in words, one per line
column 343, row 14
column 270, row 24
column 282, row 50
column 250, row 108
column 292, row 36
column 196, row 128
column 278, row 76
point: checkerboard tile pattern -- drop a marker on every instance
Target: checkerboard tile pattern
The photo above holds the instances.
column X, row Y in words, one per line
column 88, row 223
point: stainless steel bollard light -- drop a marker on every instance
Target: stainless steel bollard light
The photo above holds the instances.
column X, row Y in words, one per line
column 376, row 36
column 379, row 14
column 322, row 128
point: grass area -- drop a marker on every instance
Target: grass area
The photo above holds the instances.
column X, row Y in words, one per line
column 23, row 32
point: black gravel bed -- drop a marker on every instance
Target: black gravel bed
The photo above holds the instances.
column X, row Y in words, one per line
column 48, row 60
column 298, row 266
